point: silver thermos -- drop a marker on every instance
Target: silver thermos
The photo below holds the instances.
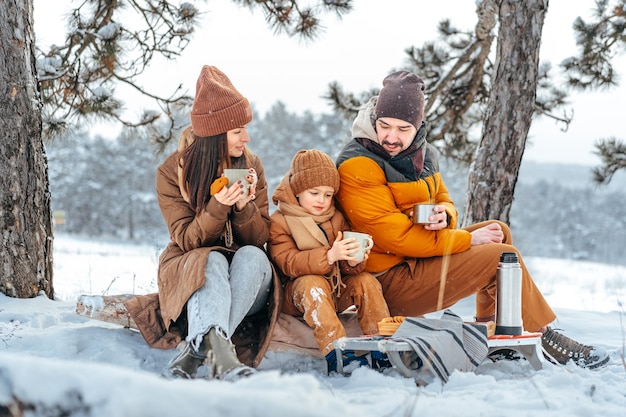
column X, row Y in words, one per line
column 509, row 295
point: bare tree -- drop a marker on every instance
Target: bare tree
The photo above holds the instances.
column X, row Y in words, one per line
column 76, row 82
column 26, row 251
column 494, row 172
column 297, row 17
column 78, row 78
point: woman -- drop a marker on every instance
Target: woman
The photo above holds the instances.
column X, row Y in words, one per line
column 214, row 273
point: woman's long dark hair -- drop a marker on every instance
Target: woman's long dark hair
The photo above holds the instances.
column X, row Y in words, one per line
column 203, row 162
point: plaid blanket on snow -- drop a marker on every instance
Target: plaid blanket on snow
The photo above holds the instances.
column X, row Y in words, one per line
column 443, row 345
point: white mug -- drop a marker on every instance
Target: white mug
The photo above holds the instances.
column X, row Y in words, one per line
column 234, row 175
column 365, row 242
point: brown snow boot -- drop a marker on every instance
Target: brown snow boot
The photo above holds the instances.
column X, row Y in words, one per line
column 562, row 349
column 222, row 357
column 185, row 365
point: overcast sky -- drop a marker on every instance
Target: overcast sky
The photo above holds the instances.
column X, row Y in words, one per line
column 358, row 52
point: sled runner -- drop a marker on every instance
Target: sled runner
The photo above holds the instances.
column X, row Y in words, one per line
column 402, row 355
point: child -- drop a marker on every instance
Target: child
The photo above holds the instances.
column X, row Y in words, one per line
column 320, row 276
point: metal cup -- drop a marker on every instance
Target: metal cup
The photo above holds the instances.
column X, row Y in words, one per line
column 421, row 213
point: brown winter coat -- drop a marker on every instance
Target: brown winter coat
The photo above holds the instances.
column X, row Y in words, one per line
column 314, row 289
column 162, row 318
column 294, row 262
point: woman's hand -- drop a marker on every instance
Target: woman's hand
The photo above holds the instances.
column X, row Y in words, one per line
column 252, row 179
column 234, row 195
column 230, row 195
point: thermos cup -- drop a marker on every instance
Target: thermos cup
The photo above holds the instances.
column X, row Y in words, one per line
column 509, row 295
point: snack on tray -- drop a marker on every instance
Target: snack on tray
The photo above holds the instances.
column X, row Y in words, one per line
column 389, row 325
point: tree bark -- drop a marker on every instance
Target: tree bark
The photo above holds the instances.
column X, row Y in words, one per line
column 25, row 216
column 493, row 175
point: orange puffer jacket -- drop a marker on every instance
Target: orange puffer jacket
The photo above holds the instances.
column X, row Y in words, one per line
column 377, row 199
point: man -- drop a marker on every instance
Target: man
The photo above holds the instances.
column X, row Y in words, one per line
column 385, row 170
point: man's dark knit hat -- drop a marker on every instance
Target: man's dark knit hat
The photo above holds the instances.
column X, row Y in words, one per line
column 402, row 97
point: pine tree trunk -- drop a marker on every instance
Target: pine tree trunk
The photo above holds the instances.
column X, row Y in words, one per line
column 494, row 173
column 25, row 217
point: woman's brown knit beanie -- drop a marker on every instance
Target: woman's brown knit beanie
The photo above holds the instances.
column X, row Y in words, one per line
column 312, row 168
column 218, row 107
column 402, row 97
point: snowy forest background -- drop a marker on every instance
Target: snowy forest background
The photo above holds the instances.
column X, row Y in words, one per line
column 106, row 188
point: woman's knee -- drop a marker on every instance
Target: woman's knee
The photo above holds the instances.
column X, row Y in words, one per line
column 217, row 258
column 250, row 253
column 216, row 264
column 252, row 258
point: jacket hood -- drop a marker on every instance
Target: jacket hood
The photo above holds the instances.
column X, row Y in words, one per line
column 283, row 192
column 185, row 139
column 363, row 125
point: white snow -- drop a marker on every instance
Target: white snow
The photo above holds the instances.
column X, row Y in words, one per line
column 60, row 363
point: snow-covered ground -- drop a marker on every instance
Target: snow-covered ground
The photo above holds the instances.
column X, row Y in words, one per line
column 62, row 364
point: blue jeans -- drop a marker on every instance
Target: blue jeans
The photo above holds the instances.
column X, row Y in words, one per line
column 230, row 292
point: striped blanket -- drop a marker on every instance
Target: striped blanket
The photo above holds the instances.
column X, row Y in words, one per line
column 442, row 345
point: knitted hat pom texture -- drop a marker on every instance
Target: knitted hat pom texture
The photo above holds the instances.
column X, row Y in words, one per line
column 217, row 107
column 311, row 168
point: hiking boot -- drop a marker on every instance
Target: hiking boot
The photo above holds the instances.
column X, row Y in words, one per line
column 349, row 359
column 222, row 358
column 184, row 365
column 562, row 349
